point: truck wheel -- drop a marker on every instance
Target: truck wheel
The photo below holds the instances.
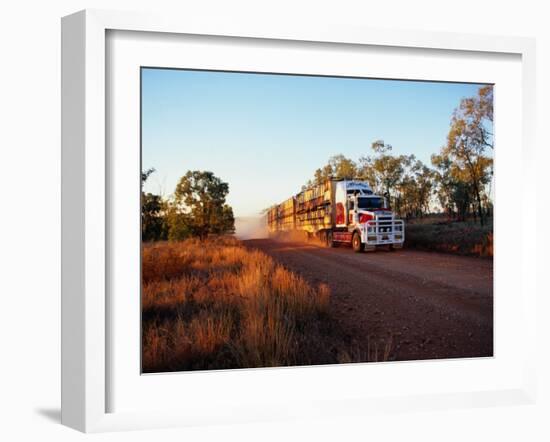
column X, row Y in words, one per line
column 356, row 243
column 330, row 242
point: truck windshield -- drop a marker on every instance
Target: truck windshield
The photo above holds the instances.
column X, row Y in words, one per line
column 370, row 203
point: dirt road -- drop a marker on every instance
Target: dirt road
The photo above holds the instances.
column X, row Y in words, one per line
column 428, row 305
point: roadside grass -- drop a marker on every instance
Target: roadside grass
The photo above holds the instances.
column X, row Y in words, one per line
column 461, row 238
column 218, row 305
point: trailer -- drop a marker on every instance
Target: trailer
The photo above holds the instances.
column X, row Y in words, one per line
column 339, row 212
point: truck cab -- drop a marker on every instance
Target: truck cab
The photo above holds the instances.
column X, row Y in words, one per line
column 367, row 217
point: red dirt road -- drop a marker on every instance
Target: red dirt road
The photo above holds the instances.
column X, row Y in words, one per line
column 428, row 305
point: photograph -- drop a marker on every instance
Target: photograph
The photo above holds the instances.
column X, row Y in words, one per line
column 305, row 220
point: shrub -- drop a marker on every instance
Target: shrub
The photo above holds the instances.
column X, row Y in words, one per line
column 461, row 238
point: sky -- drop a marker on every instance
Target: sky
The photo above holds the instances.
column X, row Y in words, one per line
column 266, row 134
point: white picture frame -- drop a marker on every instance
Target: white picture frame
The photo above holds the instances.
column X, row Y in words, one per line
column 85, row 205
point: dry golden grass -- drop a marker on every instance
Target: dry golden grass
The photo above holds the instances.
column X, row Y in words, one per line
column 215, row 304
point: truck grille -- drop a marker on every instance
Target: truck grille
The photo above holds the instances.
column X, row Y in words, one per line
column 385, row 224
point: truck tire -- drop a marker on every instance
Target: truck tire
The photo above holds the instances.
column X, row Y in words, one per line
column 330, row 242
column 356, row 243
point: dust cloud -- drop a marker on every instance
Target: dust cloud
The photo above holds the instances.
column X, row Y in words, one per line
column 251, row 227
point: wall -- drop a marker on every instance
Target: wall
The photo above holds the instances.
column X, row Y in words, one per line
column 30, row 221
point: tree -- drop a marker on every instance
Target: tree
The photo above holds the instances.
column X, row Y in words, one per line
column 467, row 140
column 179, row 223
column 455, row 190
column 338, row 167
column 383, row 171
column 145, row 175
column 226, row 222
column 199, row 204
column 414, row 190
column 323, row 174
column 380, row 147
column 479, row 113
column 342, row 167
column 153, row 222
column 444, row 183
column 461, row 196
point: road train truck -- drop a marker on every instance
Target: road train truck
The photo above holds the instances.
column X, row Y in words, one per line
column 339, row 212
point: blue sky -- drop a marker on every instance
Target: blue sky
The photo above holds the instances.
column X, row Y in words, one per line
column 266, row 134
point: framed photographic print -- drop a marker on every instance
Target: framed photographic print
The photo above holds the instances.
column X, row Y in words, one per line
column 281, row 222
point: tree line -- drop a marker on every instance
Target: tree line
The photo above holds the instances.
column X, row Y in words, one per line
column 458, row 180
column 197, row 208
